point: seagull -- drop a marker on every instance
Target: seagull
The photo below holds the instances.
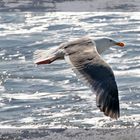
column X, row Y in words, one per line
column 83, row 55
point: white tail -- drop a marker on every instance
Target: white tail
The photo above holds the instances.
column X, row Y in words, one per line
column 44, row 56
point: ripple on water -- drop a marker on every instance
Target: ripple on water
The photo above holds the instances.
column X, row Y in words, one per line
column 50, row 95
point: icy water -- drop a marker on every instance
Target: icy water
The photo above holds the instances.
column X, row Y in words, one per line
column 51, row 96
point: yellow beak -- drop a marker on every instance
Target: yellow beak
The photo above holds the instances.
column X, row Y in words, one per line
column 121, row 44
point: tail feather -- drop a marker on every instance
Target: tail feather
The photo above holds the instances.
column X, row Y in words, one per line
column 44, row 56
column 47, row 61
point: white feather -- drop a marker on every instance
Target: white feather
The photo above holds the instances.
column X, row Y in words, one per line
column 41, row 55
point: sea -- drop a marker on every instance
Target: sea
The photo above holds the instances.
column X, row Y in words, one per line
column 51, row 96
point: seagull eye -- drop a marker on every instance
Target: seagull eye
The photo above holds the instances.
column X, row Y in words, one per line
column 110, row 40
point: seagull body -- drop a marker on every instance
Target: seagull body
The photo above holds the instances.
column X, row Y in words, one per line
column 84, row 57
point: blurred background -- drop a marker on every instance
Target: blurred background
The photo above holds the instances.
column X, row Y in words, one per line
column 69, row 5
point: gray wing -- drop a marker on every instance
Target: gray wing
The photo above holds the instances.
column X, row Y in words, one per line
column 89, row 66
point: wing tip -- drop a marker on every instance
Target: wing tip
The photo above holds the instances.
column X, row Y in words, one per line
column 114, row 114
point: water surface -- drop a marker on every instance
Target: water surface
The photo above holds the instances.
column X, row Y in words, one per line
column 51, row 95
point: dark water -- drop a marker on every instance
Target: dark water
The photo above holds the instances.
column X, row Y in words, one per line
column 51, row 96
column 69, row 5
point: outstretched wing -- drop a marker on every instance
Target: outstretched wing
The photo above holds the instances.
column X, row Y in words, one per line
column 92, row 69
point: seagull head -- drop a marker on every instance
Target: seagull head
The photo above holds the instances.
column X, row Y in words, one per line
column 102, row 44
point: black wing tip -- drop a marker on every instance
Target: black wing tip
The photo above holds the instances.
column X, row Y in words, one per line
column 112, row 113
column 108, row 102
